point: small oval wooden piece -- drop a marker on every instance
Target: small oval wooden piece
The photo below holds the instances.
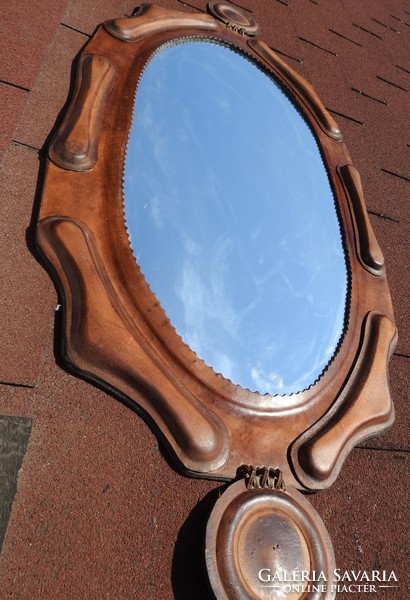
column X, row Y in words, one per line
column 257, row 540
column 234, row 18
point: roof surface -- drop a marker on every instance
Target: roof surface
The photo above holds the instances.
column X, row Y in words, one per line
column 99, row 512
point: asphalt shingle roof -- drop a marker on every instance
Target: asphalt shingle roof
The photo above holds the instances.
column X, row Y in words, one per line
column 99, row 512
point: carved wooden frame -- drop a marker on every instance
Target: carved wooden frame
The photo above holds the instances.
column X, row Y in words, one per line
column 115, row 331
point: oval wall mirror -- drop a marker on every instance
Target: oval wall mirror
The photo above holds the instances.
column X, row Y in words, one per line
column 250, row 269
column 211, row 241
column 217, row 268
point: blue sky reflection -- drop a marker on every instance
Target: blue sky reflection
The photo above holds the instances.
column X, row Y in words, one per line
column 232, row 220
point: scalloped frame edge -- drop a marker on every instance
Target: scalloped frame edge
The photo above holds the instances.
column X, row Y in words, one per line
column 116, row 332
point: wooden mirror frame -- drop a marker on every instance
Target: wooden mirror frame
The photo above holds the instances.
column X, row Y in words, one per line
column 117, row 334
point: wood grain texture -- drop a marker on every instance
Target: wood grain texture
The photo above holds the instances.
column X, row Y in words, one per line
column 150, row 20
column 367, row 247
column 251, row 530
column 363, row 407
column 234, row 18
column 174, row 411
column 75, row 145
column 116, row 331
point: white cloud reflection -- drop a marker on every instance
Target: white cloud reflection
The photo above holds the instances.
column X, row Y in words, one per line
column 155, row 209
column 272, row 383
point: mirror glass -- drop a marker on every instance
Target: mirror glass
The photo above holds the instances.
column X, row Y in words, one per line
column 232, row 219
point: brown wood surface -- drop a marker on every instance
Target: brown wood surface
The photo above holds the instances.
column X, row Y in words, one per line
column 117, row 333
column 253, row 534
